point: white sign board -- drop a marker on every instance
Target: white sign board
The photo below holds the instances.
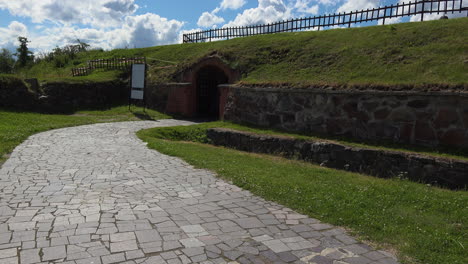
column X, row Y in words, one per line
column 138, row 81
column 137, row 95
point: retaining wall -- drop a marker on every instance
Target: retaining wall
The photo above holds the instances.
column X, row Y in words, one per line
column 15, row 93
column 420, row 118
column 385, row 164
column 60, row 96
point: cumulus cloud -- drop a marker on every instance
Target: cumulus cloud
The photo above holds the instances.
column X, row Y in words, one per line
column 267, row 11
column 209, row 19
column 148, row 30
column 9, row 35
column 232, row 4
column 137, row 31
column 102, row 23
column 352, row 5
column 435, row 16
column 305, row 7
column 98, row 13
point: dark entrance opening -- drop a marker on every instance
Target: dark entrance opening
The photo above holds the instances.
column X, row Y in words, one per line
column 208, row 79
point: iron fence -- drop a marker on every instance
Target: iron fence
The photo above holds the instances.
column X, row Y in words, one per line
column 110, row 64
column 421, row 8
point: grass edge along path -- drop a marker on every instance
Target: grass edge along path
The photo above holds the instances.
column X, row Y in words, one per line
column 17, row 126
column 198, row 133
column 423, row 224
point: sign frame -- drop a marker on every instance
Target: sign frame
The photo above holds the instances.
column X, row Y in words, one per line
column 137, row 83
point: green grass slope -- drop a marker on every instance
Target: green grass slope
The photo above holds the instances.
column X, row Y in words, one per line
column 423, row 53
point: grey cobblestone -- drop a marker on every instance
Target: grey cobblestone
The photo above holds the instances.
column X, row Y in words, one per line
column 97, row 194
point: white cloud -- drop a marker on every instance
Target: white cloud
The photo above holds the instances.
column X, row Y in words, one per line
column 208, row 19
column 102, row 23
column 98, row 13
column 9, row 35
column 435, row 16
column 232, row 4
column 353, row 5
column 268, row 11
column 304, row 6
column 136, row 31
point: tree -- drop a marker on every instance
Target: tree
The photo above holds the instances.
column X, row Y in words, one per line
column 6, row 61
column 23, row 53
column 83, row 46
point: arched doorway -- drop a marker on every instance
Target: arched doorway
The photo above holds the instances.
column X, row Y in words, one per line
column 208, row 78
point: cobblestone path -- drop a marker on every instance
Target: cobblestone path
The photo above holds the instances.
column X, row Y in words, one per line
column 97, row 194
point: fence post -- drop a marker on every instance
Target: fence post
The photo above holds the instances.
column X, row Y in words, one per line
column 422, row 10
column 350, row 16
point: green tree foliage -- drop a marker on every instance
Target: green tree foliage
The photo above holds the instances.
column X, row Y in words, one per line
column 61, row 56
column 23, row 53
column 6, row 61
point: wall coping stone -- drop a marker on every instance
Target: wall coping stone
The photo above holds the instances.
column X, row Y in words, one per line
column 330, row 91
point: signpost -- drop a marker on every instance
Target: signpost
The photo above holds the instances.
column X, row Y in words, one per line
column 137, row 89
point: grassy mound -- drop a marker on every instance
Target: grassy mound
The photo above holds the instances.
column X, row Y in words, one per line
column 414, row 54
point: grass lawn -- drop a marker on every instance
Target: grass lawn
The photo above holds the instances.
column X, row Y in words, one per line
column 15, row 127
column 423, row 224
column 432, row 52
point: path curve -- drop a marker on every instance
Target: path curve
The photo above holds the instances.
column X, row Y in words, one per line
column 97, row 194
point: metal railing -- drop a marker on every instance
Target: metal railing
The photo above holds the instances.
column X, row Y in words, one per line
column 115, row 63
column 420, row 7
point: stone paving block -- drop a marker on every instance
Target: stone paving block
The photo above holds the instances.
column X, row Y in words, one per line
column 57, row 241
column 30, row 256
column 114, row 258
column 118, row 237
column 251, row 222
column 123, row 246
column 10, row 252
column 148, row 236
column 134, row 254
column 79, row 239
column 276, row 246
column 54, row 253
column 12, row 260
column 99, row 251
column 191, row 242
column 94, row 260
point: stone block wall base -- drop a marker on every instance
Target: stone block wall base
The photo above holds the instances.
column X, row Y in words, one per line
column 385, row 164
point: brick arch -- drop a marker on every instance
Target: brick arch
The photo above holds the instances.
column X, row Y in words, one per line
column 190, row 75
column 184, row 99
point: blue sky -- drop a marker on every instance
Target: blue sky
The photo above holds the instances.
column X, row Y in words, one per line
column 142, row 23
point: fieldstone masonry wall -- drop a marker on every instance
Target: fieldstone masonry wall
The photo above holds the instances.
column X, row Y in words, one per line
column 64, row 96
column 385, row 164
column 429, row 119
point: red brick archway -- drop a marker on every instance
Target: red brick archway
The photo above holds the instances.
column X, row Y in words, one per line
column 189, row 99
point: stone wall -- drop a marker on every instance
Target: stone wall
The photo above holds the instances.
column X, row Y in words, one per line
column 420, row 118
column 15, row 93
column 63, row 96
column 60, row 96
column 385, row 164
